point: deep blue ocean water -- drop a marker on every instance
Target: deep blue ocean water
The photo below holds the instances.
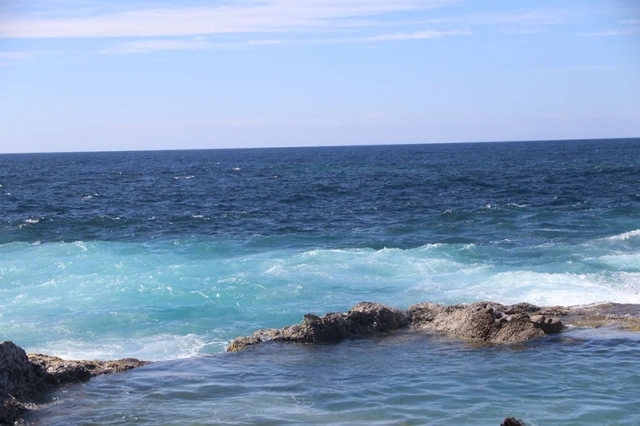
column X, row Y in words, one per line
column 169, row 255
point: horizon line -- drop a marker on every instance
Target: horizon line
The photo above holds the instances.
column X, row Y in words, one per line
column 326, row 146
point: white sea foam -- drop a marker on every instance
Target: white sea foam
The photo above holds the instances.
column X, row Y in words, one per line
column 547, row 289
column 32, row 221
column 160, row 347
column 626, row 235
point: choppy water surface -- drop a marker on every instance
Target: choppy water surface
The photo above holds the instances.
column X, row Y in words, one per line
column 167, row 256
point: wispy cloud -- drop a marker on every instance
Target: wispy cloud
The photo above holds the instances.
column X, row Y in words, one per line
column 11, row 58
column 243, row 17
column 609, row 33
column 144, row 46
column 417, row 35
column 15, row 55
column 538, row 18
column 632, row 22
column 200, row 43
column 524, row 30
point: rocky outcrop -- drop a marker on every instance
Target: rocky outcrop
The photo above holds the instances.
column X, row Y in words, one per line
column 23, row 377
column 364, row 319
column 487, row 321
column 60, row 371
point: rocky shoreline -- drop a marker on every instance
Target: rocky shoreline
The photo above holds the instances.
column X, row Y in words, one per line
column 24, row 377
column 482, row 321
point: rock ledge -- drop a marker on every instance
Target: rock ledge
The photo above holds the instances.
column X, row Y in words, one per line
column 484, row 321
column 23, row 377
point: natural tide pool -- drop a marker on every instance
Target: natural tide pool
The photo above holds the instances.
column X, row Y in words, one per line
column 581, row 377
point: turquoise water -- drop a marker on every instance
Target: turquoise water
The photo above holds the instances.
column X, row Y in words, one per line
column 168, row 256
column 174, row 299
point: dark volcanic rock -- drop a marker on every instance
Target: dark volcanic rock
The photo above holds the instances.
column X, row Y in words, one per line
column 364, row 319
column 23, row 376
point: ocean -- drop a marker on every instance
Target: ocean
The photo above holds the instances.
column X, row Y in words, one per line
column 169, row 255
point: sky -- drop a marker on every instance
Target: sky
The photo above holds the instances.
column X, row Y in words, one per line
column 84, row 75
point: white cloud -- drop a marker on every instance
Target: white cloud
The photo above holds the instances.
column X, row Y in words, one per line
column 243, row 17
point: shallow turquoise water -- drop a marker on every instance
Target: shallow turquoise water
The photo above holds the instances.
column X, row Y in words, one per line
column 173, row 299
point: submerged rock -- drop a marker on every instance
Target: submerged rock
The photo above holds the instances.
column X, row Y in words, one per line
column 23, row 377
column 487, row 321
column 619, row 315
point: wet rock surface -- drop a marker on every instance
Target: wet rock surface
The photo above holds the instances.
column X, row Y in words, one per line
column 364, row 319
column 23, row 377
column 618, row 315
column 482, row 321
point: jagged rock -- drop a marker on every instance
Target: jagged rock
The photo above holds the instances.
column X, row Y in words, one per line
column 364, row 319
column 490, row 322
column 60, row 371
column 23, row 376
column 485, row 321
column 19, row 381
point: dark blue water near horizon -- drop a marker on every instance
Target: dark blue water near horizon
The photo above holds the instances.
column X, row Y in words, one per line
column 169, row 255
column 363, row 196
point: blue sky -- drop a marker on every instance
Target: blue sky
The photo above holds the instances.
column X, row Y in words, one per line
column 83, row 75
